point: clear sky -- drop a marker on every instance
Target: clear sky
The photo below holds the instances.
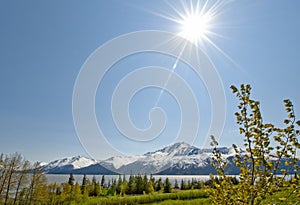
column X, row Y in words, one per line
column 43, row 45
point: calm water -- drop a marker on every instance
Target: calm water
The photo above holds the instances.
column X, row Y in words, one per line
column 60, row 178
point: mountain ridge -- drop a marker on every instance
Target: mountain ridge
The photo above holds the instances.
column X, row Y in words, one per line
column 177, row 158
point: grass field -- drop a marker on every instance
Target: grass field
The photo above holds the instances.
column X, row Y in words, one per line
column 156, row 198
column 188, row 197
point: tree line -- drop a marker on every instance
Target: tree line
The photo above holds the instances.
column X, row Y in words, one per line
column 24, row 183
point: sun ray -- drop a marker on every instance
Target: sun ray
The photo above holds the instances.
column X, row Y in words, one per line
column 196, row 21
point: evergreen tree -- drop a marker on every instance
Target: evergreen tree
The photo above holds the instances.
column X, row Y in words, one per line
column 176, row 184
column 145, row 184
column 119, row 185
column 131, row 185
column 93, row 189
column 71, row 180
column 182, row 185
column 76, row 193
column 97, row 190
column 84, row 184
column 103, row 182
column 167, row 186
column 124, row 188
column 139, row 184
column 152, row 179
column 159, row 185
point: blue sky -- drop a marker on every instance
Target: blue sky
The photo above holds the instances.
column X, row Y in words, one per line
column 45, row 43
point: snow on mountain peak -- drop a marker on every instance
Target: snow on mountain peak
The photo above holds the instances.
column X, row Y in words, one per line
column 176, row 158
column 77, row 162
column 120, row 161
column 179, row 148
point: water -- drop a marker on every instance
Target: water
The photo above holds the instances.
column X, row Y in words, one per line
column 60, row 178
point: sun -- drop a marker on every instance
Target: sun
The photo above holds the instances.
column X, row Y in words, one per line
column 199, row 22
column 195, row 27
column 196, row 19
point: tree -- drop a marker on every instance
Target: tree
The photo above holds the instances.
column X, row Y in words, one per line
column 119, row 185
column 182, row 185
column 84, row 184
column 151, row 187
column 76, row 193
column 159, row 185
column 37, row 188
column 146, row 184
column 21, row 179
column 131, row 185
column 176, row 184
column 95, row 188
column 139, row 184
column 269, row 151
column 167, row 186
column 103, row 182
column 13, row 167
column 71, row 179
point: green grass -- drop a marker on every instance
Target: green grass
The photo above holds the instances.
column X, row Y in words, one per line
column 178, row 197
column 281, row 197
column 203, row 201
column 169, row 198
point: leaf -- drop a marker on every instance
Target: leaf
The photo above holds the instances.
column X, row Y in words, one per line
column 298, row 122
column 234, row 89
column 286, row 121
column 268, row 125
column 286, row 100
column 282, row 199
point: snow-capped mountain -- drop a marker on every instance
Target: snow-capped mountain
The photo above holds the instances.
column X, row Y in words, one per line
column 179, row 158
column 76, row 164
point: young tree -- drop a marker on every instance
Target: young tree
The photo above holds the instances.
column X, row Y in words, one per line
column 151, row 187
column 269, row 151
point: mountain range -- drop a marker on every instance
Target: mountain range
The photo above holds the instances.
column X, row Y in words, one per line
column 176, row 159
